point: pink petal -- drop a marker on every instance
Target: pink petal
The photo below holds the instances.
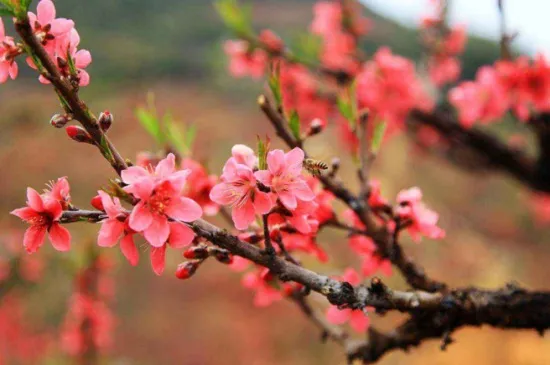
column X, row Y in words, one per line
column 25, row 213
column 184, row 209
column 61, row 26
column 45, row 12
column 143, row 188
column 294, row 158
column 262, row 202
column 54, row 208
column 2, row 29
column 133, row 174
column 34, row 200
column 34, row 238
column 157, row 233
column 157, row 259
column 82, row 58
column 129, row 250
column 60, row 237
column 178, row 179
column 180, row 235
column 301, row 224
column 302, row 190
column 4, row 72
column 288, row 199
column 264, row 176
column 222, row 194
column 84, row 78
column 276, row 161
column 337, row 316
column 166, row 166
column 359, row 321
column 110, row 208
column 110, row 232
column 243, row 215
column 140, row 218
column 14, row 70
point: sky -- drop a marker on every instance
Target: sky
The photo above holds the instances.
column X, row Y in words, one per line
column 528, row 17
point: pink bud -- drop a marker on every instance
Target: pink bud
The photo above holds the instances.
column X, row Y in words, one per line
column 105, row 120
column 59, row 120
column 315, row 127
column 186, row 269
column 97, row 203
column 78, row 134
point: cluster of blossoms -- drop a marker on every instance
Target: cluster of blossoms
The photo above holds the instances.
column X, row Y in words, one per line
column 158, row 215
column 60, row 40
column 89, row 322
column 443, row 45
column 521, row 85
column 339, row 25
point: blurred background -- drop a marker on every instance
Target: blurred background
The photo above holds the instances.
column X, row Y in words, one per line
column 173, row 48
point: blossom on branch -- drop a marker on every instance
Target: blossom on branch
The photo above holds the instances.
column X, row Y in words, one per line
column 420, row 220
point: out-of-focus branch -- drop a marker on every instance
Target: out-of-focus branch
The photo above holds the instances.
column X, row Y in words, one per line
column 491, row 152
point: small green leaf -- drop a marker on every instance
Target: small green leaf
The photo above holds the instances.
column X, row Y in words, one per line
column 190, row 134
column 6, row 12
column 378, row 135
column 262, row 154
column 294, row 124
column 306, row 48
column 150, row 123
column 275, row 84
column 346, row 109
column 25, row 4
column 234, row 16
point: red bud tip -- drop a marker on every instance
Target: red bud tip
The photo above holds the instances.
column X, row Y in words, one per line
column 97, row 203
column 267, row 275
column 196, row 252
column 105, row 120
column 315, row 127
column 78, row 134
column 186, row 269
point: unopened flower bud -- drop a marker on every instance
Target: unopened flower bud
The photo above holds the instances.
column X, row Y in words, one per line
column 187, row 269
column 97, row 203
column 59, row 120
column 223, row 256
column 105, row 120
column 250, row 237
column 315, row 127
column 267, row 275
column 78, row 134
column 196, row 252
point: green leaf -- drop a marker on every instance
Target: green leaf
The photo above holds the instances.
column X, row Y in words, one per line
column 306, row 48
column 25, row 4
column 275, row 84
column 6, row 12
column 378, row 135
column 190, row 134
column 150, row 123
column 234, row 16
column 294, row 124
column 346, row 109
column 262, row 154
column 180, row 138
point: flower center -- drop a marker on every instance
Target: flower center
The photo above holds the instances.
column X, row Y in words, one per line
column 39, row 220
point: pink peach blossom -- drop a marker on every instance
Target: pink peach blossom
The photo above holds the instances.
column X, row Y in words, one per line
column 238, row 189
column 284, row 176
column 43, row 215
column 160, row 199
column 8, row 52
column 422, row 221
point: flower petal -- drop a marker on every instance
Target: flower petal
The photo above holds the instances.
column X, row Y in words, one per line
column 180, row 235
column 25, row 213
column 34, row 238
column 60, row 237
column 243, row 215
column 140, row 218
column 45, row 12
column 262, row 202
column 157, row 259
column 129, row 250
column 110, row 232
column 276, row 161
column 184, row 209
column 133, row 174
column 288, row 199
column 337, row 316
column 166, row 166
column 61, row 26
column 158, row 231
column 34, row 200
